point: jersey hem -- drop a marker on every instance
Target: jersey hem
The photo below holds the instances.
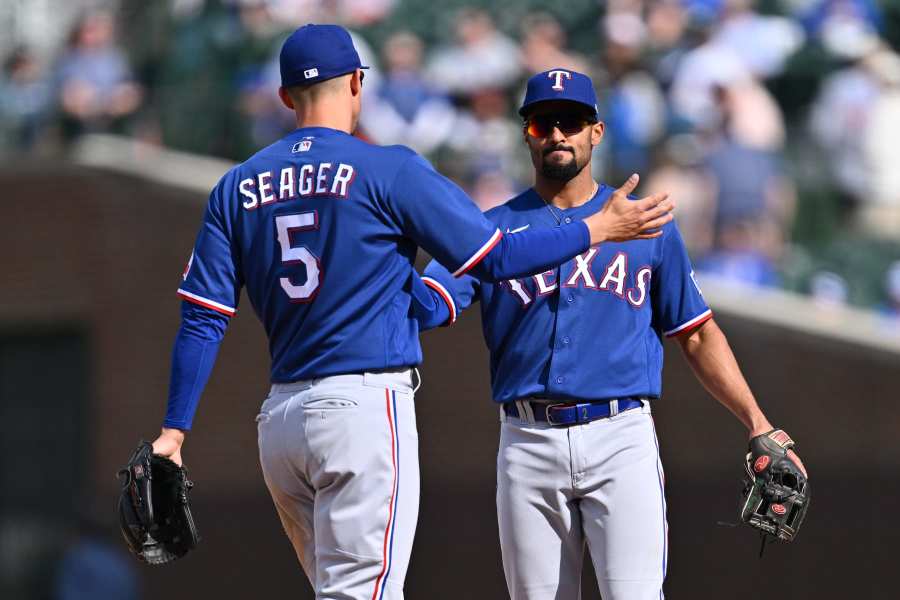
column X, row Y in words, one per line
column 479, row 254
column 206, row 302
column 445, row 296
column 692, row 324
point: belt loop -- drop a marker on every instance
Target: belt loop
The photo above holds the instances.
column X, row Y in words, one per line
column 613, row 408
column 418, row 380
column 525, row 412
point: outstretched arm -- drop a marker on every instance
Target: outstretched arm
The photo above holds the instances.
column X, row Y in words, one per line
column 439, row 216
column 537, row 250
column 710, row 357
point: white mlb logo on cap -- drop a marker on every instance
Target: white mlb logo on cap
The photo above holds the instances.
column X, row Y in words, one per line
column 310, row 73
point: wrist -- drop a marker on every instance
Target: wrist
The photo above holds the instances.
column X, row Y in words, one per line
column 597, row 229
column 176, row 435
column 760, row 426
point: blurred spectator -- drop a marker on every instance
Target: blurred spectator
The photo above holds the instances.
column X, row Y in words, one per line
column 481, row 57
column 880, row 214
column 667, row 22
column 845, row 28
column 544, row 46
column 680, row 173
column 96, row 87
column 855, row 118
column 755, row 202
column 738, row 258
column 764, row 42
column 751, row 192
column 24, row 101
column 406, row 109
column 268, row 118
column 635, row 111
column 751, row 115
column 486, row 139
column 703, row 69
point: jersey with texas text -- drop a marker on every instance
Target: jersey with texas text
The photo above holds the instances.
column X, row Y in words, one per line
column 322, row 228
column 590, row 329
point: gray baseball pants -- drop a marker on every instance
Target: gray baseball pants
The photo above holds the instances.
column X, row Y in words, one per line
column 599, row 484
column 340, row 458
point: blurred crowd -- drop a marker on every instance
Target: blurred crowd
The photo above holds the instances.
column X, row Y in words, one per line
column 772, row 123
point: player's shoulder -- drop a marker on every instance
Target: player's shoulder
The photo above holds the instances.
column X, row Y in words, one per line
column 521, row 202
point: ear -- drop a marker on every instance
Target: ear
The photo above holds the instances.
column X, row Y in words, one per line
column 285, row 97
column 597, row 132
column 356, row 83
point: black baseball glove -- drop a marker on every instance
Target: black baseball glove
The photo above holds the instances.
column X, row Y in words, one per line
column 776, row 492
column 154, row 509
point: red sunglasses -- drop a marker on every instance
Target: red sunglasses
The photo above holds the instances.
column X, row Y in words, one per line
column 540, row 126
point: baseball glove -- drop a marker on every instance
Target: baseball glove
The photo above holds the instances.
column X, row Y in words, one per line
column 154, row 509
column 776, row 492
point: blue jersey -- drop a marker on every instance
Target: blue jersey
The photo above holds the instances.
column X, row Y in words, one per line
column 322, row 229
column 589, row 329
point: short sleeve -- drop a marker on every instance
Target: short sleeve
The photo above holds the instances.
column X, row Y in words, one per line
column 678, row 304
column 437, row 215
column 212, row 277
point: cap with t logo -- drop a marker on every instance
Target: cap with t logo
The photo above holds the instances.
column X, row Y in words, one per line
column 560, row 84
column 315, row 53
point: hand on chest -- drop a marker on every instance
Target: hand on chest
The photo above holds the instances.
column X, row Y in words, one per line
column 609, row 272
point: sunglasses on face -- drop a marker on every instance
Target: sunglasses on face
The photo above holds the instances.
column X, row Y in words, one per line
column 540, row 126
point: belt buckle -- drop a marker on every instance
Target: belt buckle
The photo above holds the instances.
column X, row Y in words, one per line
column 549, row 407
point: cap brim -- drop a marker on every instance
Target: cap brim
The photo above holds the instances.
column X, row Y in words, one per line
column 528, row 107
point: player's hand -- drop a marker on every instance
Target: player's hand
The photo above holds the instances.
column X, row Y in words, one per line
column 621, row 219
column 169, row 443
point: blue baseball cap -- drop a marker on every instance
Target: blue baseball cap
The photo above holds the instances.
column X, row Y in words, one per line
column 315, row 53
column 560, row 84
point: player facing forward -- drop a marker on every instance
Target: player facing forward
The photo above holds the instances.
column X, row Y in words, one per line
column 576, row 361
column 322, row 230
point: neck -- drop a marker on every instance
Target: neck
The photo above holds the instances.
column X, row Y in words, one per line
column 567, row 194
column 324, row 116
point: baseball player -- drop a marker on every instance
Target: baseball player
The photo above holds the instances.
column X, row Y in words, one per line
column 322, row 229
column 576, row 359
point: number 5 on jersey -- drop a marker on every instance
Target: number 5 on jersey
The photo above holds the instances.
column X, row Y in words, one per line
column 296, row 255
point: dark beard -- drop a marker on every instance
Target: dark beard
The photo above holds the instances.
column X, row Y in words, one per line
column 561, row 172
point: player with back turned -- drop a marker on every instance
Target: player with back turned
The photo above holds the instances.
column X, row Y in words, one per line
column 576, row 360
column 322, row 230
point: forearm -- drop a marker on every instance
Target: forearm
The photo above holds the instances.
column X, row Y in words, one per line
column 710, row 357
column 193, row 356
column 533, row 251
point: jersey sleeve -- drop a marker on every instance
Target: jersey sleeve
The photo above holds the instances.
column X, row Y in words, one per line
column 212, row 277
column 437, row 215
column 678, row 304
column 458, row 293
